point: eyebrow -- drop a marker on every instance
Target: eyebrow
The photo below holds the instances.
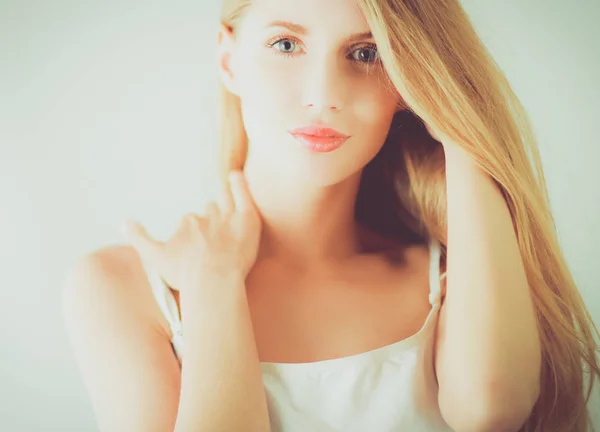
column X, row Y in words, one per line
column 297, row 28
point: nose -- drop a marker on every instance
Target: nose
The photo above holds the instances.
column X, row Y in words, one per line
column 324, row 87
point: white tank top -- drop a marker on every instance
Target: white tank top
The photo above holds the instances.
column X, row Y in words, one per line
column 388, row 389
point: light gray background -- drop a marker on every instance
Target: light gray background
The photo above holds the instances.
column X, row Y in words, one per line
column 108, row 111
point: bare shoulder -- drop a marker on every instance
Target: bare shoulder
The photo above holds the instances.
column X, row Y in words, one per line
column 114, row 273
column 121, row 342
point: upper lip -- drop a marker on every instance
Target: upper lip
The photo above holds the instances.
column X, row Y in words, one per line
column 319, row 131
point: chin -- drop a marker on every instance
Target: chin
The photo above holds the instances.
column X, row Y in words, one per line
column 318, row 175
column 291, row 164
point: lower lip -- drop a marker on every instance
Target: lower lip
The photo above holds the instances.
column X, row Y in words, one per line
column 320, row 144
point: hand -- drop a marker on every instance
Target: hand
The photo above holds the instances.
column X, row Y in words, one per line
column 226, row 239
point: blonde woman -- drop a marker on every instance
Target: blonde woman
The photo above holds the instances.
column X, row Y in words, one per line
column 382, row 257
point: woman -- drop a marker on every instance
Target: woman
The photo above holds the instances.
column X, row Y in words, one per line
column 376, row 138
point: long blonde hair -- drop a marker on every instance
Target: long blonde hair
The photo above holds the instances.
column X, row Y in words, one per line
column 435, row 60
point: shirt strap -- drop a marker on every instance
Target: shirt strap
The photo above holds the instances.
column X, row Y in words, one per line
column 435, row 287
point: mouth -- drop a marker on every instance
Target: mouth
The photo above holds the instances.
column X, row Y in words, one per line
column 320, row 144
column 319, row 139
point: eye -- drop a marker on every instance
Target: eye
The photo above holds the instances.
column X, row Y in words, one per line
column 366, row 54
column 284, row 45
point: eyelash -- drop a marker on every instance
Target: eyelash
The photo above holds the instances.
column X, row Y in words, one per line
column 280, row 38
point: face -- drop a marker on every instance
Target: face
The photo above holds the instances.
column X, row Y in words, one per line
column 322, row 70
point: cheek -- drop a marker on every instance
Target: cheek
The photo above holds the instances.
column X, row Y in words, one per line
column 267, row 87
column 374, row 108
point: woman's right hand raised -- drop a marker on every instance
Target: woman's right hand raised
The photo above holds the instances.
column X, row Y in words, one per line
column 225, row 239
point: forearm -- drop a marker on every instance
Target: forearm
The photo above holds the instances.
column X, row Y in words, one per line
column 222, row 387
column 491, row 342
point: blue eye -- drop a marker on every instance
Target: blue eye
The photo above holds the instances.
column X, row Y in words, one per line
column 285, row 45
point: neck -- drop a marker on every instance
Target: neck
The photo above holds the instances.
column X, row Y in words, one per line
column 305, row 224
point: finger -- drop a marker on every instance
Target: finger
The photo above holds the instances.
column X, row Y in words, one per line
column 138, row 237
column 240, row 191
column 212, row 216
column 193, row 220
column 212, row 210
column 226, row 199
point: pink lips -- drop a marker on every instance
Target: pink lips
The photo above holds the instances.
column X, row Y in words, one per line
column 319, row 139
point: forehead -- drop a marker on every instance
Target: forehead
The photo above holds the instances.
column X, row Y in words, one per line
column 317, row 15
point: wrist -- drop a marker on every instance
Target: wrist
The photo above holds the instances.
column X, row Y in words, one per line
column 226, row 272
column 457, row 155
column 213, row 286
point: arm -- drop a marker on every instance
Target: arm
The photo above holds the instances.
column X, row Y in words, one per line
column 222, row 386
column 127, row 363
column 122, row 351
column 488, row 350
